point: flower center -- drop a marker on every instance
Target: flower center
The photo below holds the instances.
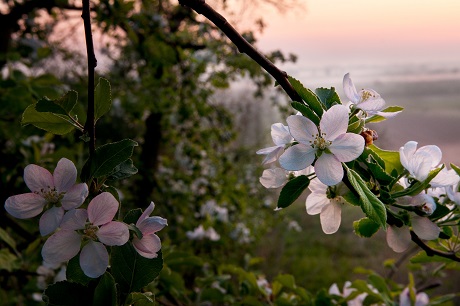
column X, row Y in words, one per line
column 90, row 231
column 365, row 95
column 320, row 142
column 50, row 194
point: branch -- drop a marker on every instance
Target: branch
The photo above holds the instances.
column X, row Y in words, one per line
column 431, row 252
column 242, row 44
column 92, row 63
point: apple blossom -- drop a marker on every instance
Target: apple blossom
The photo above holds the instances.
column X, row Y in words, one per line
column 419, row 162
column 281, row 137
column 421, row 298
column 149, row 245
column 278, row 177
column 347, row 290
column 57, row 190
column 99, row 231
column 200, row 233
column 329, row 143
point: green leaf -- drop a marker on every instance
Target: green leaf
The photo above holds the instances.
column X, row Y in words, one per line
column 370, row 204
column 46, row 121
column 389, row 109
column 328, row 96
column 8, row 261
column 8, row 239
column 62, row 106
column 102, row 98
column 418, row 187
column 123, row 170
column 140, row 299
column 292, row 190
column 377, row 171
column 132, row 271
column 106, row 291
column 132, row 216
column 365, row 227
column 306, row 111
column 183, row 259
column 356, row 125
column 106, row 158
column 67, row 293
column 391, row 158
column 75, row 274
column 421, row 258
column 287, row 280
column 456, row 168
column 308, row 96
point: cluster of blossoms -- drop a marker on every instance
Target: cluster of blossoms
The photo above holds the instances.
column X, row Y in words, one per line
column 320, row 151
column 76, row 230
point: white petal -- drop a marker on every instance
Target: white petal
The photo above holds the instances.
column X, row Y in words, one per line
column 422, row 299
column 273, row 155
column 329, row 169
column 152, row 225
column 94, row 259
column 302, row 129
column 61, row 246
column 398, row 238
column 420, row 165
column 372, row 104
column 445, row 178
column 280, row 134
column 316, row 202
column 64, row 175
column 297, row 157
column 74, row 219
column 334, row 289
column 266, row 151
column 273, row 178
column 146, row 213
column 51, row 220
column 425, row 228
column 350, row 89
column 37, row 178
column 434, row 152
column 113, row 233
column 75, row 196
column 330, row 217
column 24, row 206
column 317, row 187
column 406, row 152
column 388, row 115
column 334, row 122
column 347, row 147
column 102, row 208
column 148, row 246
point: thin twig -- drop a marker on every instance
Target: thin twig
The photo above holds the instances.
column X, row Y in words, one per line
column 92, row 63
column 242, row 44
column 431, row 252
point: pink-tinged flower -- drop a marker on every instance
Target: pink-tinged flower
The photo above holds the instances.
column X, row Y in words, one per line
column 281, row 137
column 421, row 298
column 278, row 177
column 99, row 231
column 347, row 290
column 419, row 162
column 367, row 100
column 149, row 245
column 330, row 144
column 57, row 190
column 326, row 201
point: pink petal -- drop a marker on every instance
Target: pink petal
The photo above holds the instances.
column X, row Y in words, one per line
column 347, row 147
column 329, row 169
column 330, row 217
column 350, row 89
column 372, row 104
column 425, row 228
column 102, row 208
column 64, row 175
column 75, row 196
column 37, row 178
column 297, row 157
column 113, row 233
column 273, row 178
column 51, row 220
column 302, row 129
column 94, row 259
column 148, row 246
column 146, row 213
column 74, row 219
column 61, row 246
column 152, row 225
column 24, row 206
column 398, row 238
column 334, row 122
column 280, row 134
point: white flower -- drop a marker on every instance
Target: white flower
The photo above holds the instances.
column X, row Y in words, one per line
column 200, row 233
column 453, row 194
column 419, row 162
column 445, row 178
column 367, row 100
column 281, row 137
column 421, row 298
column 326, row 201
column 278, row 177
column 347, row 290
column 330, row 144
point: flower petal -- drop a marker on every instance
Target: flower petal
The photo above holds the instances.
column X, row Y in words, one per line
column 297, row 157
column 146, row 213
column 37, row 178
column 445, row 178
column 350, row 89
column 347, row 147
column 302, row 129
column 433, row 151
column 280, row 134
column 64, row 175
column 94, row 259
column 74, row 219
column 398, row 238
column 148, row 246
column 61, row 246
column 152, row 225
column 373, row 103
column 113, row 233
column 24, row 206
column 51, row 220
column 272, row 155
column 330, row 217
column 273, row 178
column 420, row 165
column 334, row 122
column 102, row 208
column 316, row 202
column 329, row 169
column 75, row 196
column 425, row 228
column 406, row 152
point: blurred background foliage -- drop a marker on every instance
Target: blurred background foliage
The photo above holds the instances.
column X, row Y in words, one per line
column 169, row 70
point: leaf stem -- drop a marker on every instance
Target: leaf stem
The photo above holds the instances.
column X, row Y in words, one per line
column 431, row 252
column 92, row 63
